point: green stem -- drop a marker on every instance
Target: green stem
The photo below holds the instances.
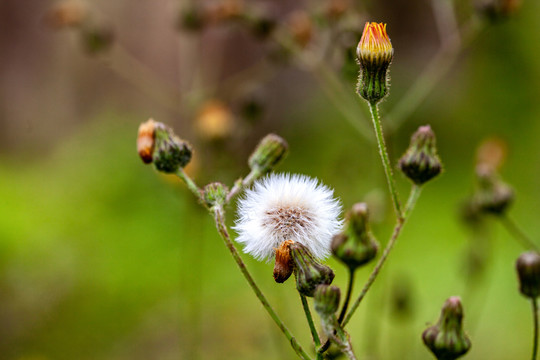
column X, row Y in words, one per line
column 385, row 160
column 241, row 184
column 347, row 297
column 190, row 183
column 517, row 233
column 416, row 190
column 395, row 234
column 219, row 218
column 535, row 323
column 312, row 328
column 326, row 345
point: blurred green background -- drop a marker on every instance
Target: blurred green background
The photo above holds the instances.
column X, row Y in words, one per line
column 103, row 258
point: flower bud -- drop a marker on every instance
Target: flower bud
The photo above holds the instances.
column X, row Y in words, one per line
column 145, row 141
column 68, row 13
column 215, row 194
column 170, row 152
column 496, row 10
column 493, row 196
column 528, row 269
column 420, row 163
column 300, row 27
column 284, row 265
column 326, row 299
column 270, row 151
column 309, row 272
column 215, row 120
column 97, row 39
column 375, row 54
column 192, row 19
column 446, row 339
column 355, row 246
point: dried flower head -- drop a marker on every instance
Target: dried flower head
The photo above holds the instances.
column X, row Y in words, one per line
column 287, row 207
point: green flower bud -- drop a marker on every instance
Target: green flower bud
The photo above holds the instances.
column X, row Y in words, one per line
column 215, row 194
column 493, row 196
column 420, row 163
column 170, row 152
column 375, row 54
column 270, row 151
column 355, row 246
column 326, row 299
column 309, row 273
column 446, row 339
column 528, row 269
column 97, row 39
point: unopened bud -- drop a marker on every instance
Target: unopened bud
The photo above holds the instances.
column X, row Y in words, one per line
column 493, row 195
column 145, row 141
column 309, row 272
column 528, row 269
column 496, row 10
column 420, row 163
column 375, row 54
column 446, row 339
column 270, row 151
column 355, row 246
column 214, row 194
column 97, row 39
column 284, row 265
column 215, row 120
column 326, row 299
column 300, row 27
column 191, row 19
column 170, row 152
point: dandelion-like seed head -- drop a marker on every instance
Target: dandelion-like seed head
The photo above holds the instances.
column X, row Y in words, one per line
column 375, row 45
column 284, row 207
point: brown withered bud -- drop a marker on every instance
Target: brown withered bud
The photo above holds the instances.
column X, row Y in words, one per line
column 146, row 140
column 336, row 8
column 300, row 27
column 492, row 153
column 284, row 265
column 69, row 13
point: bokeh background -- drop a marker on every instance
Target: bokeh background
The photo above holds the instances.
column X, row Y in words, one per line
column 101, row 257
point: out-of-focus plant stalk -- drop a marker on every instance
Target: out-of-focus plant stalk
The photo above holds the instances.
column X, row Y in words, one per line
column 439, row 66
column 517, row 233
column 535, row 325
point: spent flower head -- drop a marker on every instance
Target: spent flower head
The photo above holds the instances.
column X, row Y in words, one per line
column 284, row 207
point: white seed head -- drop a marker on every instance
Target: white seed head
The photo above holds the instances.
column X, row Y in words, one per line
column 287, row 207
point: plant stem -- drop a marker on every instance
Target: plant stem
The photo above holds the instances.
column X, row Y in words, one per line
column 219, row 218
column 416, row 190
column 385, row 160
column 314, row 334
column 190, row 183
column 517, row 233
column 347, row 297
column 535, row 333
column 395, row 234
column 241, row 184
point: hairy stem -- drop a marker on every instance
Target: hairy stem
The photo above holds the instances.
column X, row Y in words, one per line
column 314, row 333
column 219, row 218
column 241, row 184
column 190, row 183
column 385, row 160
column 376, row 270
